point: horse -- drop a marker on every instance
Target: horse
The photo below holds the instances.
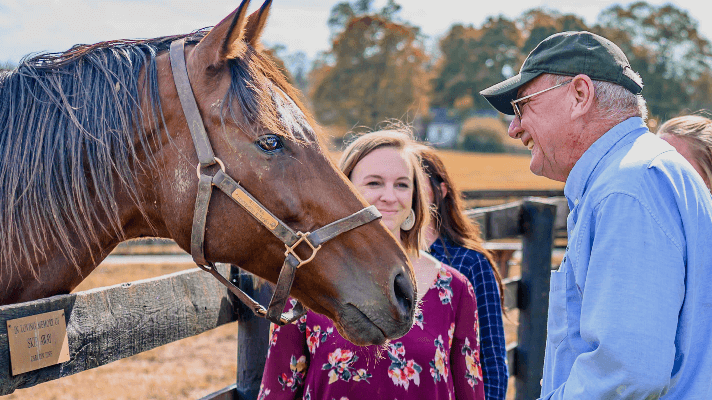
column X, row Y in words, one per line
column 96, row 149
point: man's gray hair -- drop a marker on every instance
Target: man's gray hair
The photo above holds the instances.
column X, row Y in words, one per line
column 613, row 102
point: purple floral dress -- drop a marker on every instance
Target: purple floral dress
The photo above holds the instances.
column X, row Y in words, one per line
column 438, row 359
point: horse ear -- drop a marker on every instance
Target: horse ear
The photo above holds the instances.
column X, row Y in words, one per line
column 224, row 41
column 256, row 23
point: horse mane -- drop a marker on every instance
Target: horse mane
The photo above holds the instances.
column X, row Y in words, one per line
column 68, row 122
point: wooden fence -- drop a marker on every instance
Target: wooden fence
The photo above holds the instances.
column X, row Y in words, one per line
column 108, row 324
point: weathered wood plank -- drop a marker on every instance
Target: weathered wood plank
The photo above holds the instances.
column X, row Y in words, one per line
column 108, row 324
column 230, row 393
column 509, row 193
column 537, row 242
column 502, row 252
column 226, row 393
column 562, row 212
column 511, row 292
column 512, row 358
column 498, row 222
column 504, row 221
column 252, row 341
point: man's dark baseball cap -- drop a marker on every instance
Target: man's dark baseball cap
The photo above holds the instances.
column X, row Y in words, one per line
column 568, row 53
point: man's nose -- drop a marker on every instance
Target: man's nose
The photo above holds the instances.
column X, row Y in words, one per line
column 515, row 128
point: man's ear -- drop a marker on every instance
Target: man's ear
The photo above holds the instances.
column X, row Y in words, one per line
column 584, row 95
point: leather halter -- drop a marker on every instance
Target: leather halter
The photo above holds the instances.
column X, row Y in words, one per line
column 233, row 189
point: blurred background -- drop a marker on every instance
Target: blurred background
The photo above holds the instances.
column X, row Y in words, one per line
column 364, row 61
column 357, row 64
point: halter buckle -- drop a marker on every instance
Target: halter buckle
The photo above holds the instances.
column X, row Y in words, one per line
column 219, row 161
column 302, row 238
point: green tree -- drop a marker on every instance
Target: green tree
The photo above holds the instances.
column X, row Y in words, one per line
column 540, row 23
column 476, row 58
column 473, row 59
column 701, row 99
column 342, row 13
column 7, row 66
column 664, row 46
column 484, row 135
column 374, row 70
column 294, row 65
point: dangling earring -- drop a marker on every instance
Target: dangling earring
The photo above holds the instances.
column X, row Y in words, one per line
column 409, row 221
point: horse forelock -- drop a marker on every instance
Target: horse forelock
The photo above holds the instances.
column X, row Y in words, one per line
column 267, row 101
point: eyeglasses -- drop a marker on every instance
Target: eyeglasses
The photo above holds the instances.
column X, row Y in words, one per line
column 518, row 107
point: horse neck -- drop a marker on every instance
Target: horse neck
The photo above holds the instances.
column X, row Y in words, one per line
column 55, row 272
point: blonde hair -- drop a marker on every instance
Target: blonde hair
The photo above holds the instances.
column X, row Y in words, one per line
column 401, row 139
column 696, row 131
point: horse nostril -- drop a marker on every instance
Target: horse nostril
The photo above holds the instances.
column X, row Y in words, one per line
column 404, row 295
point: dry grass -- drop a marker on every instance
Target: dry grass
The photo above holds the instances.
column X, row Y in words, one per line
column 477, row 171
column 482, row 171
column 197, row 366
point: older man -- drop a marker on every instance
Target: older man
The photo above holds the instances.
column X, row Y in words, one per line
column 630, row 307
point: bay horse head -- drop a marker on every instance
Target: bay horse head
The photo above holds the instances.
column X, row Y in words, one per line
column 97, row 149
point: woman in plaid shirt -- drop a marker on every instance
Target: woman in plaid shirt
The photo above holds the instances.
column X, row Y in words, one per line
column 456, row 241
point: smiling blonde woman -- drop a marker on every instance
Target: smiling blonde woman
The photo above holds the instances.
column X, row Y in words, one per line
column 440, row 357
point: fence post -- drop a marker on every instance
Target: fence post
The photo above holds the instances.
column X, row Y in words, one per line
column 252, row 336
column 537, row 228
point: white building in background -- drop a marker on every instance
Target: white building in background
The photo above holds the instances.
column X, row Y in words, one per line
column 443, row 129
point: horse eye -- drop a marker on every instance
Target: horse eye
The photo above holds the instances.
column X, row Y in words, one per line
column 270, row 143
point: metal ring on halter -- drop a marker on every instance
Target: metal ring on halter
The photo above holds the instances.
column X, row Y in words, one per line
column 222, row 166
column 302, row 238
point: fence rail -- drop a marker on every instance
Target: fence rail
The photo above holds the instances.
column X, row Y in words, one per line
column 107, row 324
column 510, row 193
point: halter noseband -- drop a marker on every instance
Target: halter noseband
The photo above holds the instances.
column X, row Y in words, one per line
column 229, row 186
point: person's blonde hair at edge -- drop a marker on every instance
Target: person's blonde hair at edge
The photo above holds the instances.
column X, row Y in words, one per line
column 696, row 131
column 399, row 137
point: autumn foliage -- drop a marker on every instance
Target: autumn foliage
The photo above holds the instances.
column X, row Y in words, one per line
column 376, row 73
column 378, row 67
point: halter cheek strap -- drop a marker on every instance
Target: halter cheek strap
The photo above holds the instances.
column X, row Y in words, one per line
column 236, row 192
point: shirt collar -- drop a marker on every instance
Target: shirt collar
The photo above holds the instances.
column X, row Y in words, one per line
column 439, row 245
column 584, row 167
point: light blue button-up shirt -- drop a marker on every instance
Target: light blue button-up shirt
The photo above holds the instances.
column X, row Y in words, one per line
column 630, row 308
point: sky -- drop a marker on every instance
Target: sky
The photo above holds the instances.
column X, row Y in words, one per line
column 29, row 26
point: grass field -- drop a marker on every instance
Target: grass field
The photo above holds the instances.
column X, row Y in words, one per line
column 481, row 171
column 197, row 366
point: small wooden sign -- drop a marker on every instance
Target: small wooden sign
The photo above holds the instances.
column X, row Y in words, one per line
column 37, row 341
